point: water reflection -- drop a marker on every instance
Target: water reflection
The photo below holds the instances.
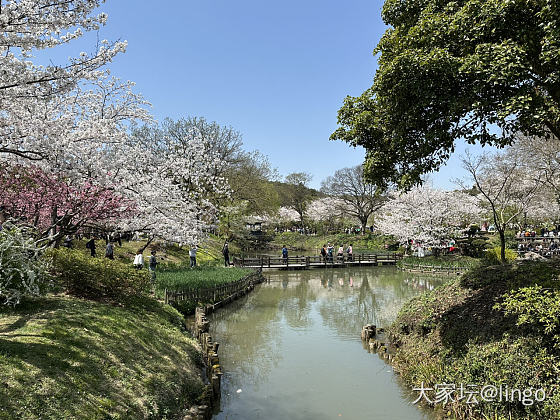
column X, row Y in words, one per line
column 293, row 345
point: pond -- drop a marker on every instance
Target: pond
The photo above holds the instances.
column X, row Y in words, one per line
column 292, row 350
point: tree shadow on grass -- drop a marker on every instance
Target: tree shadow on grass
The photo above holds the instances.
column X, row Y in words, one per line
column 70, row 358
column 474, row 317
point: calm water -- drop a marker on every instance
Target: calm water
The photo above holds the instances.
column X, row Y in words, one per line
column 292, row 348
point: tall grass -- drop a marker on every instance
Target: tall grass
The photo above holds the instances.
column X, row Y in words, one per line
column 199, row 277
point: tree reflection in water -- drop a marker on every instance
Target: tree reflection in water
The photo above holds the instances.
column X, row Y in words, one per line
column 251, row 330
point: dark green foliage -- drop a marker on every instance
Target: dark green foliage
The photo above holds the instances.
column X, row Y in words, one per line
column 450, row 70
column 96, row 278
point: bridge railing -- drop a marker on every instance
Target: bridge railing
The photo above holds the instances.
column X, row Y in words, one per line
column 306, row 261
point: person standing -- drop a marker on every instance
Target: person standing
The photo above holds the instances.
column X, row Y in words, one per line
column 340, row 253
column 225, row 253
column 109, row 251
column 285, row 253
column 139, row 260
column 324, row 253
column 349, row 251
column 152, row 265
column 192, row 254
column 91, row 246
column 330, row 251
column 68, row 242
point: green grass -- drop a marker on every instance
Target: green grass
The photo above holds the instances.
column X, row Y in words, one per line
column 361, row 243
column 171, row 255
column 67, row 358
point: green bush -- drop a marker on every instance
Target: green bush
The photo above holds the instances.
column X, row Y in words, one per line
column 536, row 308
column 85, row 276
column 22, row 272
column 492, row 256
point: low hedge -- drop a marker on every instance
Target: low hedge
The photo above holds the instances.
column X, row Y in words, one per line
column 86, row 276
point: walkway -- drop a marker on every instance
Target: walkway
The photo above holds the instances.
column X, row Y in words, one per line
column 305, row 262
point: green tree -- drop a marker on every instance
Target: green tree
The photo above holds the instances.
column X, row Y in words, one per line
column 482, row 70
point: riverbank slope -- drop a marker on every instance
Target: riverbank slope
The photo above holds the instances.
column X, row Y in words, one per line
column 65, row 357
column 494, row 326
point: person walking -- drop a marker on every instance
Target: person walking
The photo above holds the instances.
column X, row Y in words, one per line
column 225, row 253
column 192, row 255
column 349, row 251
column 139, row 260
column 324, row 253
column 109, row 251
column 91, row 246
column 152, row 266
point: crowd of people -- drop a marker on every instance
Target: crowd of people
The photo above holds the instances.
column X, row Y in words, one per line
column 542, row 232
column 327, row 253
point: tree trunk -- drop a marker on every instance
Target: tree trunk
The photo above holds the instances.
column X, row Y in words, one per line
column 364, row 226
column 147, row 243
column 502, row 246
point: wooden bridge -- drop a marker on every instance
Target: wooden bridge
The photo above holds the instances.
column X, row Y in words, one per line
column 305, row 262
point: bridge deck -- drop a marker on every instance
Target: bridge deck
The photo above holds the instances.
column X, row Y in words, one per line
column 305, row 262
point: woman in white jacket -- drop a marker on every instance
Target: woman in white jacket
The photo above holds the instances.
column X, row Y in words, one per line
column 139, row 260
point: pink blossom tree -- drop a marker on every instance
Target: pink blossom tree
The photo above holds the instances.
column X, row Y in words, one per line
column 53, row 206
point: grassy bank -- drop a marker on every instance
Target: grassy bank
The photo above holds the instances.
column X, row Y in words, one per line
column 496, row 326
column 63, row 357
column 443, row 261
column 209, row 253
column 366, row 242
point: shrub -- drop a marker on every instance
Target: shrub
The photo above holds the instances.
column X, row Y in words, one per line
column 21, row 270
column 536, row 308
column 85, row 276
column 492, row 256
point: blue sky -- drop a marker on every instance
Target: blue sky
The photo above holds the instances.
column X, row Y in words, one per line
column 275, row 71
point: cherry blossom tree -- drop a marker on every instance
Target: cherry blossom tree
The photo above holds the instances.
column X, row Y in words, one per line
column 427, row 215
column 35, row 100
column 70, row 125
column 54, row 207
column 505, row 185
column 173, row 184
